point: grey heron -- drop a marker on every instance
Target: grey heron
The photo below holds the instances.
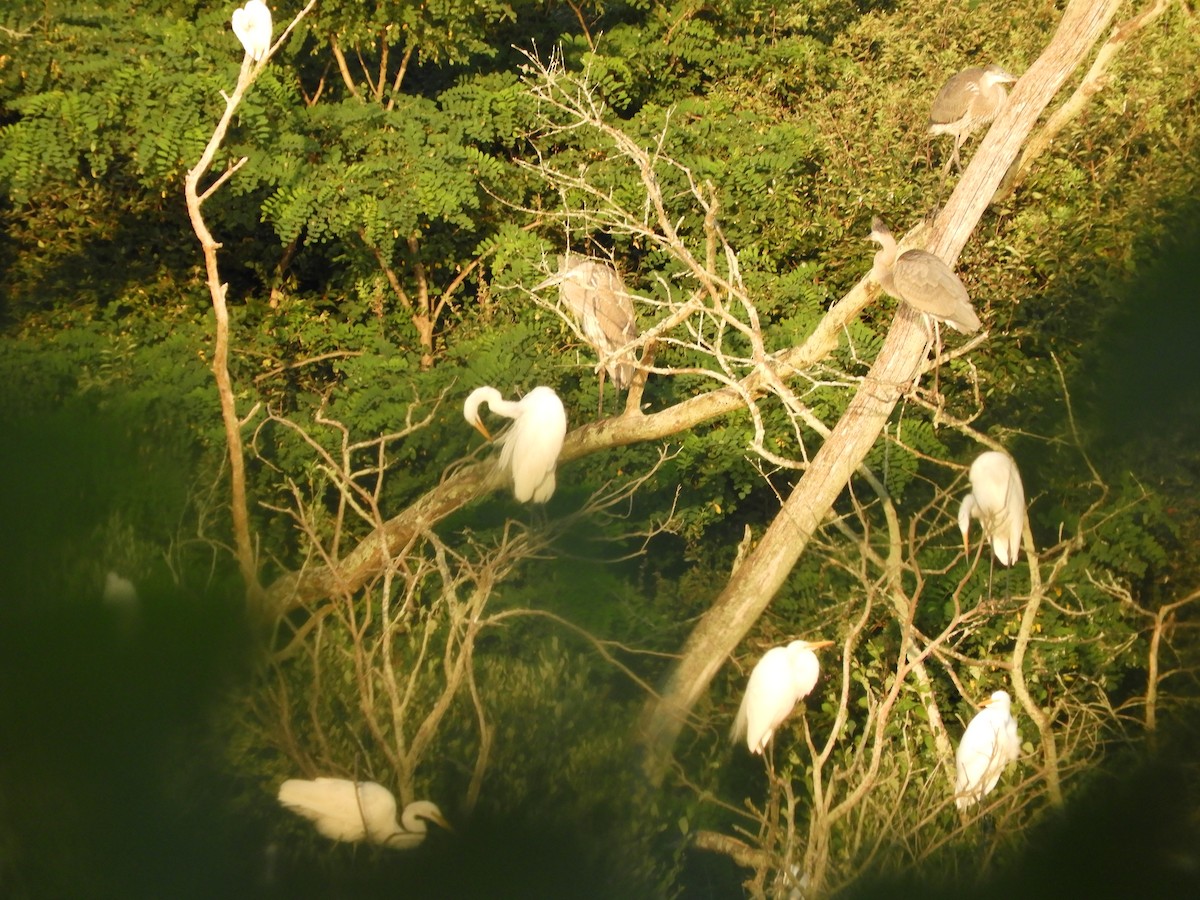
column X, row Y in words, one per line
column 967, row 102
column 596, row 295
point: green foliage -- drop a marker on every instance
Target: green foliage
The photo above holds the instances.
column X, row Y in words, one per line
column 803, row 120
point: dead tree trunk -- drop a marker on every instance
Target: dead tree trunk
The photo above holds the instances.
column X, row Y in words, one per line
column 764, row 570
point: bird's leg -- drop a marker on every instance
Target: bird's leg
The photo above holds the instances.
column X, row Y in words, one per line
column 991, row 570
column 600, row 411
column 937, row 358
column 925, row 320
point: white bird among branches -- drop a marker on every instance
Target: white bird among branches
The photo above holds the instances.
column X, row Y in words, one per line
column 252, row 25
column 783, row 677
column 530, row 448
column 989, row 744
column 997, row 500
column 345, row 810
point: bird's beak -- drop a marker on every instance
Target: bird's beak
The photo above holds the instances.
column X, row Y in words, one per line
column 987, row 702
column 443, row 823
column 478, row 423
column 966, row 545
column 818, row 645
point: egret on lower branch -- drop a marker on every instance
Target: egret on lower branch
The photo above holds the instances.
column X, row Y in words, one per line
column 530, row 448
column 784, row 676
column 967, row 102
column 997, row 500
column 345, row 810
column 252, row 25
column 989, row 744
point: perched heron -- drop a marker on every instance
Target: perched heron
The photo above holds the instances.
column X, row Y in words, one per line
column 252, row 25
column 997, row 500
column 989, row 744
column 922, row 281
column 344, row 810
column 597, row 297
column 530, row 448
column 967, row 102
column 783, row 677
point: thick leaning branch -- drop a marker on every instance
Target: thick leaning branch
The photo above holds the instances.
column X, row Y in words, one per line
column 768, row 565
column 465, row 484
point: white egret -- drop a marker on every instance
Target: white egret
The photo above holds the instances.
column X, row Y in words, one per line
column 967, row 102
column 121, row 600
column 530, row 448
column 345, row 810
column 120, row 594
column 596, row 295
column 989, row 744
column 997, row 500
column 252, row 25
column 923, row 281
column 784, row 676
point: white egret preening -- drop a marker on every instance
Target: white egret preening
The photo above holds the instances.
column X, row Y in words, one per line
column 345, row 810
column 596, row 295
column 530, row 448
column 252, row 25
column 967, row 102
column 997, row 500
column 989, row 744
column 923, row 281
column 784, row 676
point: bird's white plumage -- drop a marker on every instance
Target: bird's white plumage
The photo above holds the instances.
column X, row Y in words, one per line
column 997, row 500
column 783, row 677
column 989, row 744
column 923, row 281
column 252, row 25
column 596, row 295
column 529, row 449
column 120, row 593
column 345, row 810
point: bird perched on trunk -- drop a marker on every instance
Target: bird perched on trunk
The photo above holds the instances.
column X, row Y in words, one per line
column 922, row 281
column 596, row 295
column 783, row 677
column 345, row 810
column 989, row 744
column 967, row 102
column 997, row 500
column 252, row 25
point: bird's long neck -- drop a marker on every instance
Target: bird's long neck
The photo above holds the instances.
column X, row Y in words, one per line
column 885, row 259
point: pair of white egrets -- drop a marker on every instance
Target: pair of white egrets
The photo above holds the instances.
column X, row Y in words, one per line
column 345, row 810
column 786, row 675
